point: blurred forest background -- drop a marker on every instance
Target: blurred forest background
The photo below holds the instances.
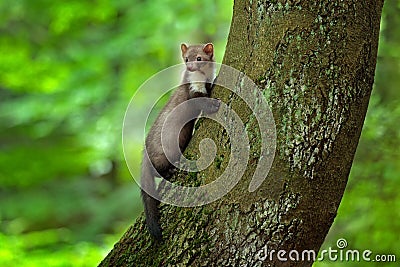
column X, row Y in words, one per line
column 67, row 72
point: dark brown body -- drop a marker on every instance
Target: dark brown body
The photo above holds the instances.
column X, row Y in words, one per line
column 155, row 163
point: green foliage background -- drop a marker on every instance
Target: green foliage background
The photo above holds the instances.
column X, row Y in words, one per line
column 67, row 72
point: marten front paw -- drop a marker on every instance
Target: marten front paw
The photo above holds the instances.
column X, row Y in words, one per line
column 212, row 105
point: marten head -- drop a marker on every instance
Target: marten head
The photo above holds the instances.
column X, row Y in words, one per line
column 197, row 56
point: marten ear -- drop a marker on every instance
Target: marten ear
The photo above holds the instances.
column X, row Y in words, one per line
column 209, row 49
column 184, row 48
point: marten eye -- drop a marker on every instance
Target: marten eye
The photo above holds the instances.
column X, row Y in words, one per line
column 198, row 58
column 186, row 59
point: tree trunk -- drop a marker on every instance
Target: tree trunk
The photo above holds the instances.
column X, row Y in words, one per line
column 314, row 61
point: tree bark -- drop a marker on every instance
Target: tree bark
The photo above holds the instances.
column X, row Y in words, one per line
column 314, row 61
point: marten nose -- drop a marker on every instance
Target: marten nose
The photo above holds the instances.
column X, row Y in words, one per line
column 190, row 66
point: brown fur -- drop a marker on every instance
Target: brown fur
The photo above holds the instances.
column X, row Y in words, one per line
column 155, row 162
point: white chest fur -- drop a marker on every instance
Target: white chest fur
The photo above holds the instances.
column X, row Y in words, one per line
column 197, row 81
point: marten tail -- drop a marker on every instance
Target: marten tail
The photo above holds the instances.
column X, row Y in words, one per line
column 150, row 203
